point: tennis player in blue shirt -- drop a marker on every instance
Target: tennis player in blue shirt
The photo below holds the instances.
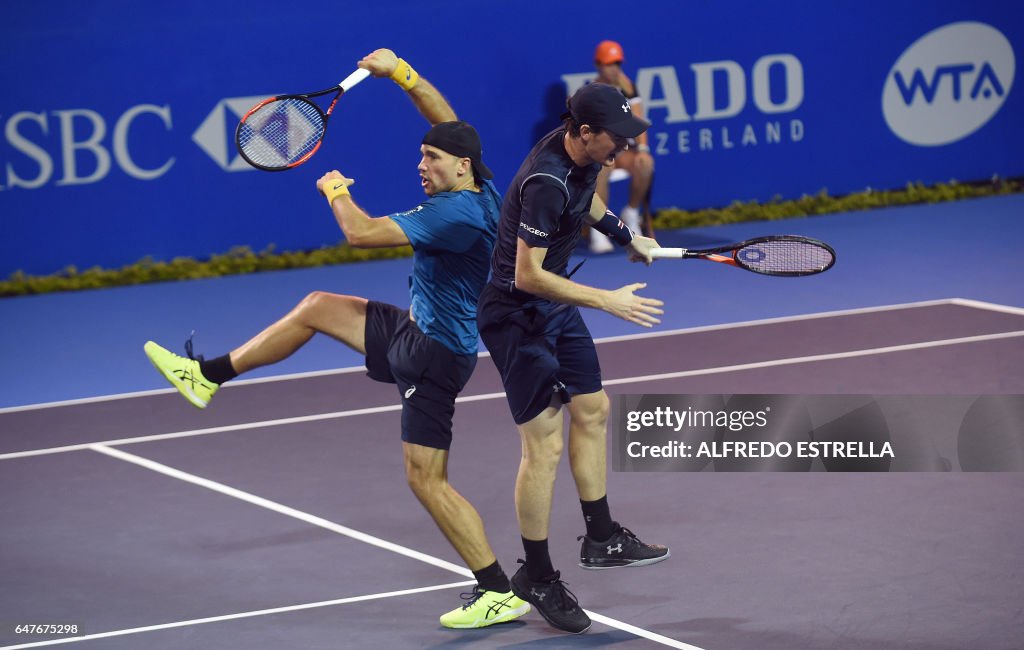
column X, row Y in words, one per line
column 429, row 350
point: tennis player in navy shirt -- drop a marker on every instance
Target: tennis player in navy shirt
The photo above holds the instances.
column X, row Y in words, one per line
column 529, row 320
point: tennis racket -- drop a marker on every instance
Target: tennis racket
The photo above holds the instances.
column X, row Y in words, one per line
column 285, row 131
column 785, row 255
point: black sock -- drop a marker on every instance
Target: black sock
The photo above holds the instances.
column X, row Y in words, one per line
column 538, row 561
column 492, row 578
column 218, row 370
column 598, row 519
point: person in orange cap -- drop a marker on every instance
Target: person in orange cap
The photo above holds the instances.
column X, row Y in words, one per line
column 636, row 159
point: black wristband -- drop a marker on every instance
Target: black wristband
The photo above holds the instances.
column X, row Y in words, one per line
column 613, row 227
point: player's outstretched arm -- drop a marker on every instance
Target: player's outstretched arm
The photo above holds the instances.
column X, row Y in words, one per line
column 622, row 303
column 427, row 99
column 638, row 246
column 361, row 230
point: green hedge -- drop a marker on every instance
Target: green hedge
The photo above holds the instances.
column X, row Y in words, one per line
column 244, row 260
column 822, row 203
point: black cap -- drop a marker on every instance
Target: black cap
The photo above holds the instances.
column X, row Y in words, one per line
column 603, row 106
column 459, row 139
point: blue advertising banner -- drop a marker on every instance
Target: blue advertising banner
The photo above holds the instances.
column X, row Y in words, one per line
column 117, row 118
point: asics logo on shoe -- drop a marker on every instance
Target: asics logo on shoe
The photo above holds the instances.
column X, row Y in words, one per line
column 409, row 392
column 186, row 376
column 498, row 605
column 614, row 549
column 533, row 592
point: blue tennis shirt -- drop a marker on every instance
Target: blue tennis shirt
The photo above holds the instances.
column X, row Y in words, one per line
column 452, row 236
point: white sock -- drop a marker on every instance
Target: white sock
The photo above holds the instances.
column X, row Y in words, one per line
column 599, row 243
column 631, row 217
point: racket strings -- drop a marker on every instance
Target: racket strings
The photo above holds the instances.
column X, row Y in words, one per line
column 785, row 257
column 281, row 132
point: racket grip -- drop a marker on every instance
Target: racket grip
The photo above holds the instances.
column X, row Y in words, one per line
column 354, row 78
column 667, row 253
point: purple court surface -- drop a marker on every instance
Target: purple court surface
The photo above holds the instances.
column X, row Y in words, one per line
column 279, row 517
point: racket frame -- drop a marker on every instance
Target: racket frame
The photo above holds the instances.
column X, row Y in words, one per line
column 339, row 90
column 729, row 254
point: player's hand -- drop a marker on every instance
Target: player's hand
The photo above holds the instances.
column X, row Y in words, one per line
column 624, row 304
column 333, row 178
column 640, row 249
column 380, row 63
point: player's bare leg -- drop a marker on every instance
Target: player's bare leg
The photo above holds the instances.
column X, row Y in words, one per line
column 588, row 424
column 340, row 317
column 535, row 484
column 426, row 470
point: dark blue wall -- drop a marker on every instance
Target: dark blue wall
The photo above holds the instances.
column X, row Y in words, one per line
column 116, row 117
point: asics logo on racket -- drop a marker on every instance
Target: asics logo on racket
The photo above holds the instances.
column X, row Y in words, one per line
column 409, row 391
column 614, row 549
column 533, row 231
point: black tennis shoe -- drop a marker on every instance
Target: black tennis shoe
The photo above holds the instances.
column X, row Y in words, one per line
column 553, row 600
column 621, row 549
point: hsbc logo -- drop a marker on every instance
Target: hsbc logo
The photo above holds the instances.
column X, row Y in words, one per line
column 80, row 146
column 216, row 135
column 948, row 84
column 84, row 152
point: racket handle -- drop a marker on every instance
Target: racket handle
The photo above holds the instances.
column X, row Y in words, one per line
column 354, row 78
column 667, row 253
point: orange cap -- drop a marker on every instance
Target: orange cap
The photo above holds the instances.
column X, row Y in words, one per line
column 608, row 52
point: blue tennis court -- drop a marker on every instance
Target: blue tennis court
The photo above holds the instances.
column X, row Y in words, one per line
column 279, row 517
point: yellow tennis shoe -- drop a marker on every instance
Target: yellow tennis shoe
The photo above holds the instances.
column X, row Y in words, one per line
column 485, row 608
column 183, row 373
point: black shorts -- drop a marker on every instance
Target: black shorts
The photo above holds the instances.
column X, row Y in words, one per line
column 429, row 376
column 542, row 349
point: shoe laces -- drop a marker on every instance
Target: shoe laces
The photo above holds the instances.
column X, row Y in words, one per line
column 617, row 528
column 561, row 593
column 188, row 348
column 471, row 596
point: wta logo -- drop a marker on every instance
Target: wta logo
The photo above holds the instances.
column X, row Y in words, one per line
column 948, row 84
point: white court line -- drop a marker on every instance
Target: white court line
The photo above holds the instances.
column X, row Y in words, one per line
column 813, row 358
column 280, row 509
column 609, row 339
column 168, row 391
column 348, row 532
column 488, row 396
column 231, row 617
column 988, row 306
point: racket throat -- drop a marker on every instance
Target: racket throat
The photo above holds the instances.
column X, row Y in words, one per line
column 724, row 259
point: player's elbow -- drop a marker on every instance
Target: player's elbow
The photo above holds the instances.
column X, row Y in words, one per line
column 527, row 279
column 356, row 238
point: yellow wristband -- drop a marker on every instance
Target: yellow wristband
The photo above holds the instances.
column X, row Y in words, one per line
column 334, row 189
column 404, row 75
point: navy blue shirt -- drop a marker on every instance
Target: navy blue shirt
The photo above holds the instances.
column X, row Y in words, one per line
column 452, row 236
column 545, row 207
